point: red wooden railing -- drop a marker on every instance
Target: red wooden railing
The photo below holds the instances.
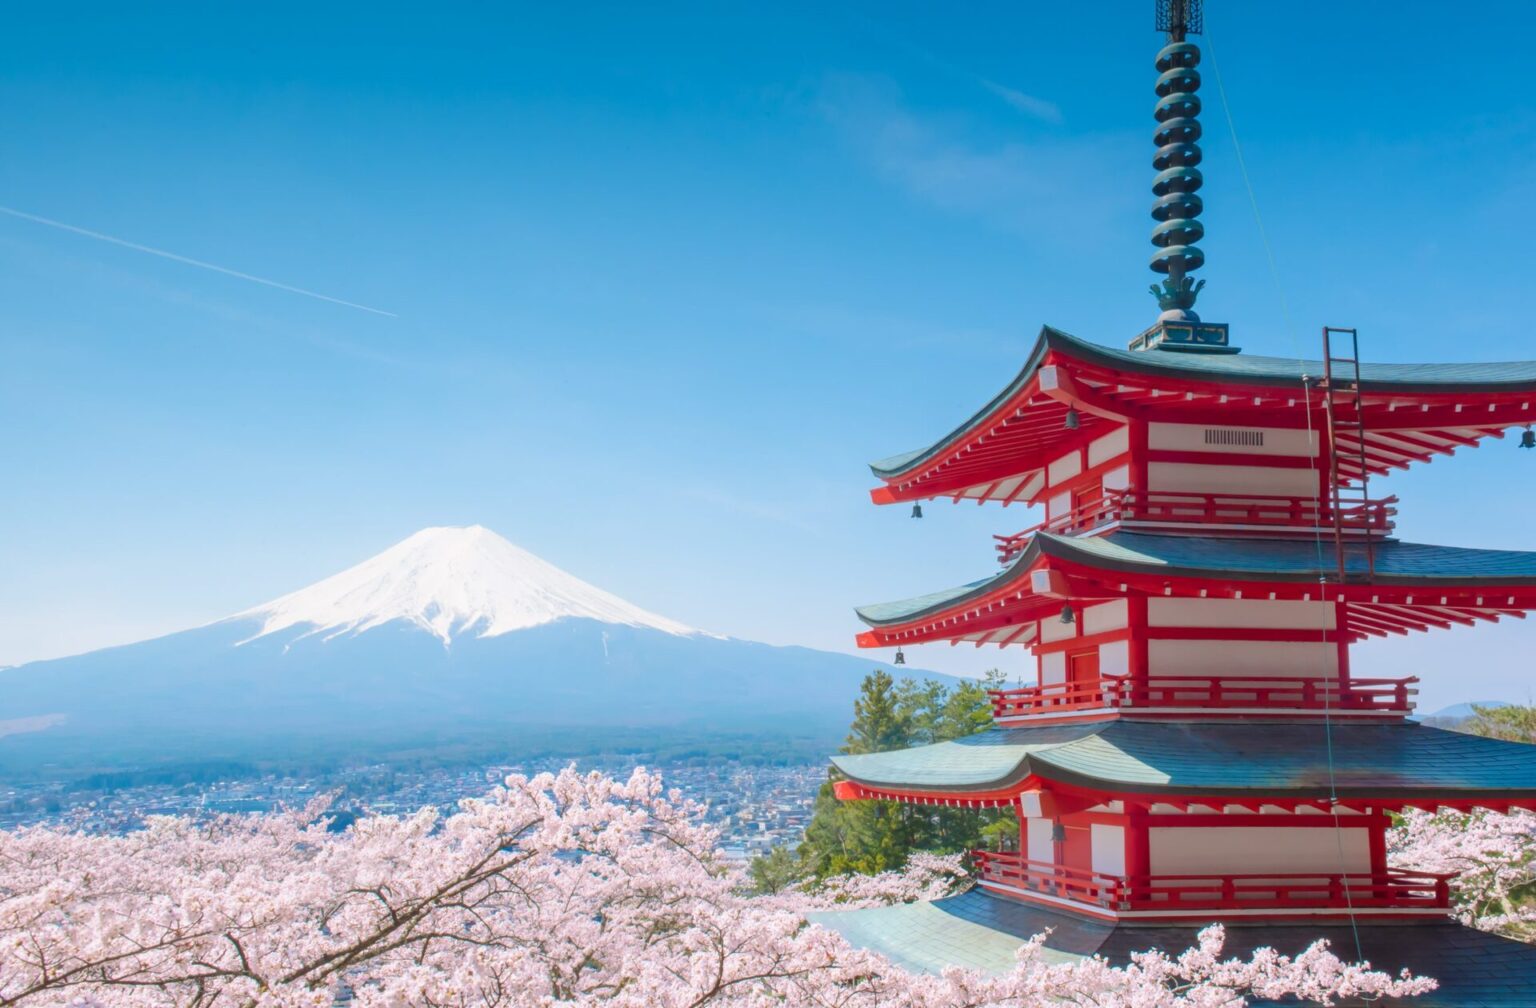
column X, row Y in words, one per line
column 1392, row 888
column 1056, row 697
column 1214, row 692
column 1257, row 510
column 1014, row 869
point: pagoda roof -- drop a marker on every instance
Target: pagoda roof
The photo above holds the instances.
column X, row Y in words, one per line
column 1104, row 565
column 1405, row 761
column 1024, row 420
column 980, row 930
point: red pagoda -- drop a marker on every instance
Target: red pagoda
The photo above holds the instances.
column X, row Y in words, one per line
column 1195, row 747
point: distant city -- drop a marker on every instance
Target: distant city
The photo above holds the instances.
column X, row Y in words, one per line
column 755, row 807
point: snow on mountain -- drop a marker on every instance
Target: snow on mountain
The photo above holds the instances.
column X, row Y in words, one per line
column 451, row 582
column 452, row 642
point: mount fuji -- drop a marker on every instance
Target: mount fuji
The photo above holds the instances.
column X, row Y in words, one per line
column 453, row 639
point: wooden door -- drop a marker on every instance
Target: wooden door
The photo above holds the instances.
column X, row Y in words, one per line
column 1083, row 668
column 1074, row 853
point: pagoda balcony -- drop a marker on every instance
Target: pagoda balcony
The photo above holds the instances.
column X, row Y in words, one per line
column 1390, row 889
column 1248, row 514
column 1280, row 694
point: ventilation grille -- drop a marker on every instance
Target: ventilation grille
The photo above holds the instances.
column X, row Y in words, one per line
column 1241, row 438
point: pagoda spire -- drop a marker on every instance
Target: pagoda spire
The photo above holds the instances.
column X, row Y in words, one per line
column 1178, row 180
column 1177, row 185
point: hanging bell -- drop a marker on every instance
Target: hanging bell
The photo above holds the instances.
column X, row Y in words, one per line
column 1528, row 438
column 1067, row 615
column 901, row 659
column 1073, row 421
column 917, row 510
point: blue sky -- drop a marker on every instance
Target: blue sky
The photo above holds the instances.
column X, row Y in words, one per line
column 664, row 279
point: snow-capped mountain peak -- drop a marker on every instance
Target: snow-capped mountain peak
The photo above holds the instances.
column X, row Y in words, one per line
column 450, row 581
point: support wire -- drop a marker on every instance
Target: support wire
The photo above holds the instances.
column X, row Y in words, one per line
column 1317, row 535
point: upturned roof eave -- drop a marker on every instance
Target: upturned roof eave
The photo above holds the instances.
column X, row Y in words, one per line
column 1498, row 377
column 1404, row 753
column 1015, row 569
column 1074, row 550
column 898, row 465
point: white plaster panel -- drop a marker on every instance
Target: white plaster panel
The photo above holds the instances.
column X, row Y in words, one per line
column 1116, row 442
column 1107, row 844
column 1106, row 616
column 1053, row 629
column 1118, row 478
column 1064, row 468
column 1058, row 505
column 1037, row 840
column 1191, row 437
column 1268, row 614
column 1115, row 658
column 1234, row 480
column 1053, row 668
column 1242, row 658
column 1254, row 850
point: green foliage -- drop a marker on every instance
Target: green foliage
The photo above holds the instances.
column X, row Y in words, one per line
column 875, row 836
column 775, row 871
column 1514, row 723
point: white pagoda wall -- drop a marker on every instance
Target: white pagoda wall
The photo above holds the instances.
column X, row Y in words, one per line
column 1242, row 658
column 1253, row 850
column 1251, row 476
column 1305, row 652
column 1037, row 840
column 1104, row 617
column 1256, row 614
column 1107, row 844
column 1306, row 655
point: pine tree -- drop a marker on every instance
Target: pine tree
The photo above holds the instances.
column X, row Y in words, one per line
column 1513, row 723
column 873, row 836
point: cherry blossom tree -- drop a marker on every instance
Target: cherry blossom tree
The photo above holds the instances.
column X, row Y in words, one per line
column 1495, row 855
column 563, row 889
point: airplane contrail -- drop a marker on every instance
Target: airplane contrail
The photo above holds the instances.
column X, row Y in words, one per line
column 191, row 262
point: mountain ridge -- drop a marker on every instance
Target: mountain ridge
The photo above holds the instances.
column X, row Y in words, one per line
column 449, row 580
column 451, row 634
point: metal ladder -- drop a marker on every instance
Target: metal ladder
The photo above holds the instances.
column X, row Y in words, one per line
column 1345, row 415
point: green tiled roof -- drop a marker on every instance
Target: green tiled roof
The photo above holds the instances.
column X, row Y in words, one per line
column 1397, row 563
column 982, row 931
column 1201, row 757
column 1511, row 376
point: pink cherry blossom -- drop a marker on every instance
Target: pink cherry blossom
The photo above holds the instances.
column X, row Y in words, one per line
column 1494, row 853
column 556, row 890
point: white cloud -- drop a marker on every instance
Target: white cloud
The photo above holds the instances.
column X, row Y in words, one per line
column 1038, row 108
column 1073, row 191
